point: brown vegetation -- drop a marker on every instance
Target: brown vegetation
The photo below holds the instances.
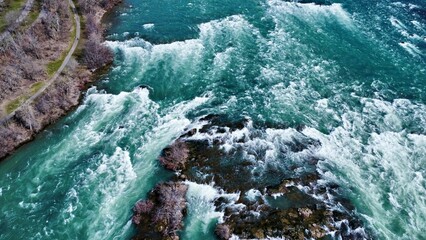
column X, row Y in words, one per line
column 96, row 55
column 161, row 216
column 26, row 52
column 222, row 231
column 24, row 55
column 175, row 156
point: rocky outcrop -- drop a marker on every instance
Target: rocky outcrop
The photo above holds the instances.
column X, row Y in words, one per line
column 161, row 216
column 277, row 202
column 286, row 211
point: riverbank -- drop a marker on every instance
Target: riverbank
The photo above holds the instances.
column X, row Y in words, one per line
column 31, row 104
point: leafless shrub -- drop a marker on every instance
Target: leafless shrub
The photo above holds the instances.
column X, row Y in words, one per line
column 10, row 81
column 29, row 44
column 30, row 69
column 140, row 208
column 63, row 9
column 51, row 23
column 107, row 4
column 164, row 211
column 175, row 156
column 87, row 6
column 96, row 55
column 91, row 26
column 26, row 116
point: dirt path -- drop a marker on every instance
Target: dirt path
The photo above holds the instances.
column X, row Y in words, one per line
column 58, row 72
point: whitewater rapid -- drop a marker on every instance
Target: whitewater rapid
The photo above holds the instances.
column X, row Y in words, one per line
column 346, row 75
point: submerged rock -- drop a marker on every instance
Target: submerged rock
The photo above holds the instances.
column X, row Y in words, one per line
column 161, row 216
column 287, row 212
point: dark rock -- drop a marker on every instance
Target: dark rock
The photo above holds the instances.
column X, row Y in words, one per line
column 143, row 86
column 222, row 121
column 222, row 231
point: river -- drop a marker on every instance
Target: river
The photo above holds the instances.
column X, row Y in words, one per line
column 352, row 73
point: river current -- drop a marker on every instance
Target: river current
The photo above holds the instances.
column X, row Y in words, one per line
column 350, row 74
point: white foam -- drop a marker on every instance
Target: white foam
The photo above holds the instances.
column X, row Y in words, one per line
column 148, row 26
column 143, row 56
column 201, row 208
column 222, row 59
column 265, row 149
column 383, row 164
column 311, row 12
column 413, row 6
column 417, row 24
column 399, row 4
column 253, row 194
column 112, row 177
column 411, row 48
column 277, row 195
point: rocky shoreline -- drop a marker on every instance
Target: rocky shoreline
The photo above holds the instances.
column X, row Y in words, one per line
column 65, row 94
column 298, row 206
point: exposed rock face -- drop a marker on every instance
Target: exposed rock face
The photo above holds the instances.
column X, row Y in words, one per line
column 161, row 216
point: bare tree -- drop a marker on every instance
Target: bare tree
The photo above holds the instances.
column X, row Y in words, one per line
column 30, row 69
column 96, row 55
column 51, row 23
column 91, row 26
column 87, row 6
column 30, row 45
column 25, row 115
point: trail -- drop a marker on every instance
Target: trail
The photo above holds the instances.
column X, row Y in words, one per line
column 59, row 71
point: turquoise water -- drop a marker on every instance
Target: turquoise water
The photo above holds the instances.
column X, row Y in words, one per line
column 353, row 73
